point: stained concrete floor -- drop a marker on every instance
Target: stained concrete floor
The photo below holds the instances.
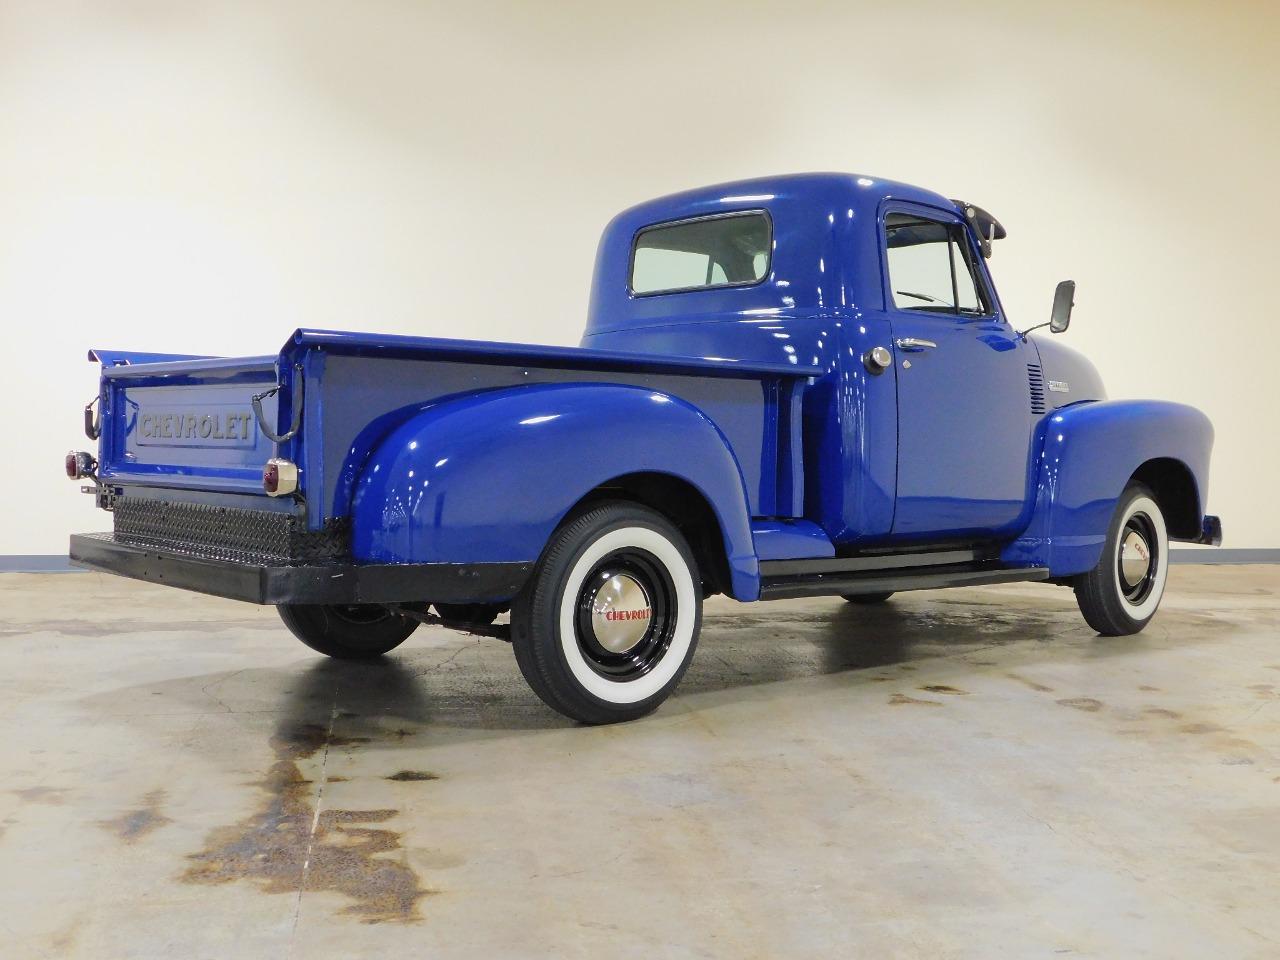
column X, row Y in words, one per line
column 955, row 774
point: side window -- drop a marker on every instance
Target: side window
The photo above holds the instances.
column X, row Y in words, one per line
column 720, row 251
column 931, row 267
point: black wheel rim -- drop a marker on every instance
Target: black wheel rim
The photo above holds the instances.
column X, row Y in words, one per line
column 1137, row 558
column 613, row 654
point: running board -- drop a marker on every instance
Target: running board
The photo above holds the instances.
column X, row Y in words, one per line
column 786, row 579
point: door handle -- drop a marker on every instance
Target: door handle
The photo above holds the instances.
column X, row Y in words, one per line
column 914, row 344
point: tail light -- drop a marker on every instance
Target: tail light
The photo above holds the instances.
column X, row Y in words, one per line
column 79, row 465
column 280, row 477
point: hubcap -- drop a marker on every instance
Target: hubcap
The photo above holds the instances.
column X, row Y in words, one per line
column 1135, row 559
column 626, row 614
column 620, row 613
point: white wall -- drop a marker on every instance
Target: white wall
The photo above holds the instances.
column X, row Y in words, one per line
column 206, row 177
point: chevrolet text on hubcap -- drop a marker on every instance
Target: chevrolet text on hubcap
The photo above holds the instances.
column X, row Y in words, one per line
column 609, row 621
column 627, row 605
column 1136, row 558
column 620, row 613
column 626, row 610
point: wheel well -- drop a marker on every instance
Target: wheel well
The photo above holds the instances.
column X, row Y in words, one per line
column 1175, row 491
column 684, row 505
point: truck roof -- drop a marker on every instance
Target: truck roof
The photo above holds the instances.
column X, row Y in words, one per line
column 808, row 212
column 813, row 188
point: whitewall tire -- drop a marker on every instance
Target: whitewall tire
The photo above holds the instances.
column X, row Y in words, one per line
column 1122, row 593
column 608, row 623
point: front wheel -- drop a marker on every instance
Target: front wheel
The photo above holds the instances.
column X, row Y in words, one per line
column 1120, row 595
column 346, row 631
column 606, row 627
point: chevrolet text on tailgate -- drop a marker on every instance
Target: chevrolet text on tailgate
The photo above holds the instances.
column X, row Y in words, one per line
column 788, row 387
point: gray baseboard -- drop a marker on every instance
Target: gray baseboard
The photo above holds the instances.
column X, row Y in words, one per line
column 58, row 563
column 36, row 563
column 1221, row 555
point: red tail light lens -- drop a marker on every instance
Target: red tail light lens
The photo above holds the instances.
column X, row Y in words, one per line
column 79, row 465
column 280, row 477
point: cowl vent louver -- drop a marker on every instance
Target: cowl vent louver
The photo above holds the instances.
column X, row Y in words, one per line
column 1035, row 378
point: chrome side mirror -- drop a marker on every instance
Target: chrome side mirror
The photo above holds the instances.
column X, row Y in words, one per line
column 1063, row 301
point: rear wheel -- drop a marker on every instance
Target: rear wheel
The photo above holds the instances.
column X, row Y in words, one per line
column 347, row 631
column 866, row 598
column 1120, row 595
column 606, row 627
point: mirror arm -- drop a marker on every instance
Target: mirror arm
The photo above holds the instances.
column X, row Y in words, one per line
column 1023, row 333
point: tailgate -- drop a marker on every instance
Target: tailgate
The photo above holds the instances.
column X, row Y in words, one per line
column 187, row 424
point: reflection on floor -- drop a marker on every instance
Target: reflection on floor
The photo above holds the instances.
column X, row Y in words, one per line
column 962, row 773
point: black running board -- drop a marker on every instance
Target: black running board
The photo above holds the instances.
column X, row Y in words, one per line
column 786, row 579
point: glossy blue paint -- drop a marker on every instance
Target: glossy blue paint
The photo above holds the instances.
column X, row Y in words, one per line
column 1069, row 377
column 191, row 371
column 964, row 414
column 526, row 354
column 115, row 358
column 1089, row 453
column 487, row 477
column 824, row 260
column 200, row 387
column 849, row 416
column 756, row 396
column 790, row 540
column 364, row 398
column 825, row 304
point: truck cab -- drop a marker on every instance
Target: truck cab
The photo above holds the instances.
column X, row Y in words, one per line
column 789, row 386
column 937, row 445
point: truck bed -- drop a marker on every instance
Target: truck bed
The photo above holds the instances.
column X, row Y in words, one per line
column 182, row 454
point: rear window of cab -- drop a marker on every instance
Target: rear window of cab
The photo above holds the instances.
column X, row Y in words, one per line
column 724, row 250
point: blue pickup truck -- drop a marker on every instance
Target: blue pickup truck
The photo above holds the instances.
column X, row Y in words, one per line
column 788, row 387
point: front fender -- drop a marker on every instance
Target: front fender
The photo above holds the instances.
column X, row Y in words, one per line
column 1090, row 452
column 486, row 478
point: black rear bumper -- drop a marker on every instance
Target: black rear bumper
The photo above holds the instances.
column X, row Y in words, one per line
column 320, row 583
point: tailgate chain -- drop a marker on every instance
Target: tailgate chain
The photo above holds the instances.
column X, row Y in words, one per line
column 92, row 426
column 256, row 402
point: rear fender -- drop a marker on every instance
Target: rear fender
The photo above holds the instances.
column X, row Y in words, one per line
column 1090, row 452
column 487, row 477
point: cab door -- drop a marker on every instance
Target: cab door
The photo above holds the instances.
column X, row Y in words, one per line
column 964, row 409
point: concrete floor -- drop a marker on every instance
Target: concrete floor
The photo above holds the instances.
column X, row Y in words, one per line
column 966, row 773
